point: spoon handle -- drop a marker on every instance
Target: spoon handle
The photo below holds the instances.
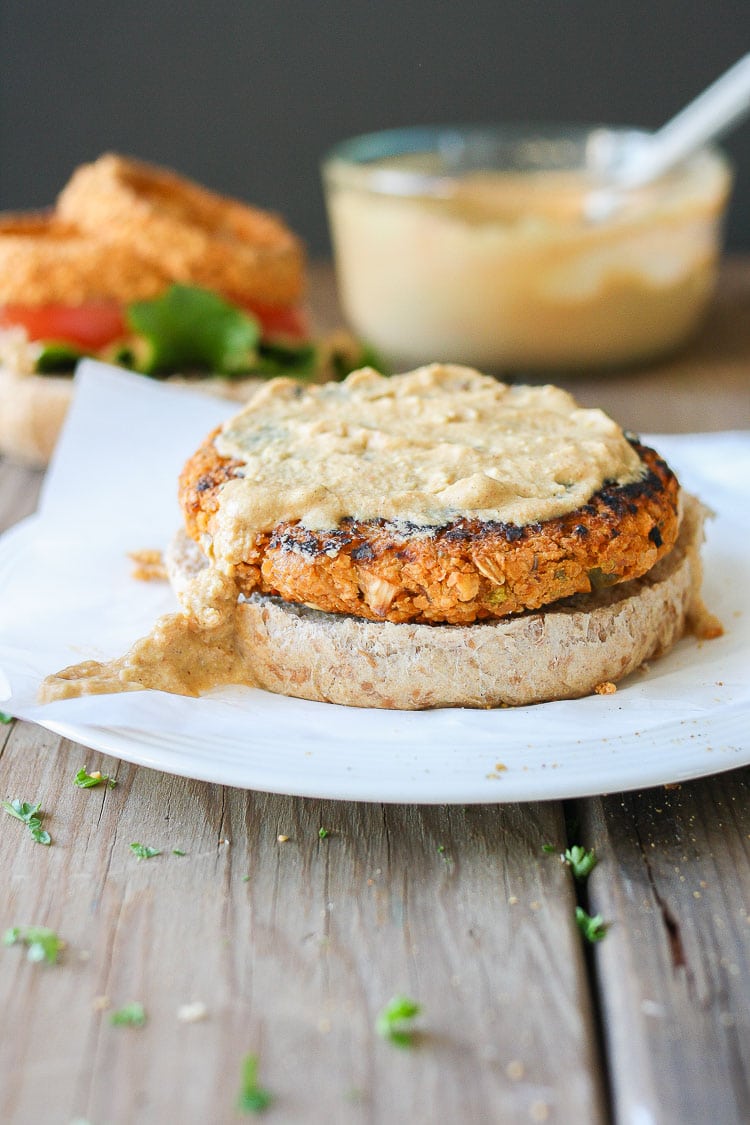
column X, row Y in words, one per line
column 721, row 105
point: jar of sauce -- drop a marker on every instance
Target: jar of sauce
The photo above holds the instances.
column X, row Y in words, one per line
column 476, row 245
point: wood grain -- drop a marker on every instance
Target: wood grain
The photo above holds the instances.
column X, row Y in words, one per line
column 674, row 970
column 294, row 947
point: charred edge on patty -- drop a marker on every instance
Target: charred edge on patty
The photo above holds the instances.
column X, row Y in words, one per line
column 465, row 571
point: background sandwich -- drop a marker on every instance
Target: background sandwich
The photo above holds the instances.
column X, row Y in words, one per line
column 139, row 266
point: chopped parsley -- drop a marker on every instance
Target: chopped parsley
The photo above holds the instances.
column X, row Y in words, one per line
column 580, row 861
column 323, row 833
column 252, row 1098
column 131, row 1015
column 85, row 780
column 394, row 1022
column 142, row 851
column 43, row 944
column 177, row 851
column 5, row 717
column 593, row 929
column 31, row 816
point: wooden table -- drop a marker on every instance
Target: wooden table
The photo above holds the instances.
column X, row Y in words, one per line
column 293, row 943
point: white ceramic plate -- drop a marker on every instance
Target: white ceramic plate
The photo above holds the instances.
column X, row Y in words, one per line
column 463, row 762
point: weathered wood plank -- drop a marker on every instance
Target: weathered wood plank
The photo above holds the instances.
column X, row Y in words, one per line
column 674, row 969
column 294, row 948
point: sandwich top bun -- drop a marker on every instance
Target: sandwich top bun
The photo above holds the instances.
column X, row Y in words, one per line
column 526, row 550
column 125, row 232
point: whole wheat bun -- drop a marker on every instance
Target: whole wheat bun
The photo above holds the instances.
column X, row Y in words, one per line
column 563, row 652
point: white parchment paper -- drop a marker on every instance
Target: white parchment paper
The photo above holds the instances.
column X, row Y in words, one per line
column 68, row 595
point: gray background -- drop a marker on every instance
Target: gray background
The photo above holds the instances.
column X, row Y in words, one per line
column 246, row 96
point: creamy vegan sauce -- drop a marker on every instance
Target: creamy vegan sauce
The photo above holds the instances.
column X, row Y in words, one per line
column 186, row 653
column 421, row 449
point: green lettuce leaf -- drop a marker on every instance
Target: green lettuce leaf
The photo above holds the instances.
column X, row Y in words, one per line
column 190, row 329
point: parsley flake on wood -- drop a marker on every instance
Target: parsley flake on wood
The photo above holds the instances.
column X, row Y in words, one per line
column 31, row 816
column 580, row 861
column 394, row 1022
column 43, row 944
column 131, row 1015
column 142, row 851
column 5, row 717
column 252, row 1098
column 177, row 851
column 323, row 833
column 85, row 780
column 593, row 929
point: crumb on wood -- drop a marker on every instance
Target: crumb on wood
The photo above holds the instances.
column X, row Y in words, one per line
column 605, row 688
column 192, row 1013
column 148, row 565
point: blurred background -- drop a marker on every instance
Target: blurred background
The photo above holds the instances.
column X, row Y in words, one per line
column 246, row 96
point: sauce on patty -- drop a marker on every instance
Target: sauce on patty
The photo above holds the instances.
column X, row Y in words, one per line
column 423, row 449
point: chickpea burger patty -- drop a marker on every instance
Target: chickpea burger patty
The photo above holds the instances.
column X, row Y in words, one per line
column 458, row 571
column 464, row 571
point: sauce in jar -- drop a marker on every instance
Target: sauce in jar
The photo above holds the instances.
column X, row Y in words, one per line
column 502, row 269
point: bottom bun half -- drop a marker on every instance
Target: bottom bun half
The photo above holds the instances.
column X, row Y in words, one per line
column 564, row 652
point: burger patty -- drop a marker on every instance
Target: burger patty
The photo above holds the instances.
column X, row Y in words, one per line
column 465, row 571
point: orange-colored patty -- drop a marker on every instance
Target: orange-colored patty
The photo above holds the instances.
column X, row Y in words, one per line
column 463, row 572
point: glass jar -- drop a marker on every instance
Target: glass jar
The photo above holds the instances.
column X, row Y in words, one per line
column 476, row 245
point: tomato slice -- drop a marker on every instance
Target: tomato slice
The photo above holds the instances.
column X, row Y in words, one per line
column 89, row 326
column 95, row 324
column 285, row 322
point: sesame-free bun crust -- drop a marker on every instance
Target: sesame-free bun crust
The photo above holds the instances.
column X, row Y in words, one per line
column 562, row 652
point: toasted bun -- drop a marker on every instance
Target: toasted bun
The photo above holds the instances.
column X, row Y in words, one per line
column 563, row 652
